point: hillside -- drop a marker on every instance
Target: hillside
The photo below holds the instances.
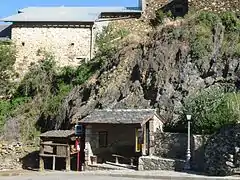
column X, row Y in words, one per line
column 176, row 60
column 138, row 65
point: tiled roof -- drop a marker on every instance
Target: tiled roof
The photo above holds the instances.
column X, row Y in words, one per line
column 65, row 14
column 119, row 116
column 58, row 134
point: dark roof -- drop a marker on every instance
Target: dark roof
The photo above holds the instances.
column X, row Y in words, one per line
column 119, row 116
column 66, row 14
column 5, row 31
column 58, row 134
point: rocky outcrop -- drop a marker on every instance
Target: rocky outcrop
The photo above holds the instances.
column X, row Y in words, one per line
column 222, row 152
column 157, row 73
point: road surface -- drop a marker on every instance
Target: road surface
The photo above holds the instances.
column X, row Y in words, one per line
column 65, row 177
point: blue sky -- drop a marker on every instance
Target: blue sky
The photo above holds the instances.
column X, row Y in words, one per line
column 9, row 7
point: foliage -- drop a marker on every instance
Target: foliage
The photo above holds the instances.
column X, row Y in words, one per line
column 40, row 93
column 108, row 40
column 210, row 110
column 230, row 21
column 207, row 18
column 160, row 16
column 7, row 60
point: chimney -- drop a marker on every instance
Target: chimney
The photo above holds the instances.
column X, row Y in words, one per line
column 142, row 4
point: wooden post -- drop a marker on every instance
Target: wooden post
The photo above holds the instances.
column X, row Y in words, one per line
column 68, row 159
column 117, row 160
column 54, row 162
column 41, row 161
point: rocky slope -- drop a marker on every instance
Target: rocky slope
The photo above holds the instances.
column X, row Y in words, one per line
column 157, row 73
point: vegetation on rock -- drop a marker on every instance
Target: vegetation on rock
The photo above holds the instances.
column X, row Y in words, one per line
column 178, row 60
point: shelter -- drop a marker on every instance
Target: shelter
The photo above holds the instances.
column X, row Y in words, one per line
column 119, row 133
column 58, row 145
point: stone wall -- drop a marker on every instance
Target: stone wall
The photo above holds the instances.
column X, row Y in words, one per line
column 69, row 44
column 157, row 163
column 17, row 156
column 174, row 146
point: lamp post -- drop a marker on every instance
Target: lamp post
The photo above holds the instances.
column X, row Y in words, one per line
column 188, row 155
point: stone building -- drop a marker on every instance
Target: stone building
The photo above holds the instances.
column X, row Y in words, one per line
column 68, row 33
column 123, row 133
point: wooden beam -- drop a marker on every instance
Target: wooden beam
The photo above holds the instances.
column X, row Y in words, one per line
column 51, row 155
column 53, row 144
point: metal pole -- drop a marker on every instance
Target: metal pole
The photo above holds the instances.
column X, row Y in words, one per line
column 78, row 160
column 188, row 155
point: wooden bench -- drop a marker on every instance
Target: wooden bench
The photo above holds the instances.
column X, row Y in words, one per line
column 118, row 156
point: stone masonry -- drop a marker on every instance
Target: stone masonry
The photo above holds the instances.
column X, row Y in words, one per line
column 69, row 45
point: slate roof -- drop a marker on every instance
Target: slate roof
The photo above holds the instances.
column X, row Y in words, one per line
column 5, row 31
column 65, row 14
column 58, row 133
column 119, row 116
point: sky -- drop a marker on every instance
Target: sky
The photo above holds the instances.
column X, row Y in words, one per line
column 10, row 7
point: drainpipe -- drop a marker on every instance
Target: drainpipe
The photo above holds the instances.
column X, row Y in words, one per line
column 91, row 42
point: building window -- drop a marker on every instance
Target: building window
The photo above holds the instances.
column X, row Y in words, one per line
column 72, row 44
column 102, row 141
column 23, row 43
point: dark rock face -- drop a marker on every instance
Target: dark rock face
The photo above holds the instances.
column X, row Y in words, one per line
column 222, row 152
column 158, row 74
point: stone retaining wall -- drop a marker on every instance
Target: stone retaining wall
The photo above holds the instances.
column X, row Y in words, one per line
column 17, row 156
column 157, row 163
column 174, row 146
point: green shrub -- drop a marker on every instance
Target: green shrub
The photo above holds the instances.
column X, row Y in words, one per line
column 5, row 108
column 211, row 110
column 230, row 21
column 201, row 42
column 7, row 60
column 207, row 18
column 108, row 40
column 160, row 16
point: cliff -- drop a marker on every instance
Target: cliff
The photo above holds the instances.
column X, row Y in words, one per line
column 160, row 71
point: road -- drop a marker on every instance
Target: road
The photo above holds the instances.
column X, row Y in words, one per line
column 65, row 177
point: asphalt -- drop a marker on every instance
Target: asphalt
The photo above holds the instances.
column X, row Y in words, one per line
column 120, row 174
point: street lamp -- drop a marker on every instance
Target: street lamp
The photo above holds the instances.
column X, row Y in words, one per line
column 188, row 155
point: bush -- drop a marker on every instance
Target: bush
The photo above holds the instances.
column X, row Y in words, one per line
column 206, row 18
column 230, row 21
column 211, row 110
column 7, row 60
column 108, row 40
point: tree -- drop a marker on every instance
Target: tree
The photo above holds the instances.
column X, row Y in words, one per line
column 7, row 60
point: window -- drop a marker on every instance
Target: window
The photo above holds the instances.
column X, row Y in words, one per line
column 23, row 43
column 102, row 141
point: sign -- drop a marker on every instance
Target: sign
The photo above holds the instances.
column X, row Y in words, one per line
column 78, row 130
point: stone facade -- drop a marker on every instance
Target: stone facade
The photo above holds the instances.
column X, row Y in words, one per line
column 69, row 44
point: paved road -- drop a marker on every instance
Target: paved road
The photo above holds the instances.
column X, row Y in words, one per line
column 65, row 177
